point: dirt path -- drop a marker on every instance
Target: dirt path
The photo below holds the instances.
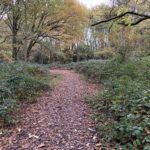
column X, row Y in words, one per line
column 58, row 121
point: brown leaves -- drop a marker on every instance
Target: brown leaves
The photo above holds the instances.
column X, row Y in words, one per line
column 59, row 120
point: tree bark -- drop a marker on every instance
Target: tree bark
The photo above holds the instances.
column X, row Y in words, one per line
column 31, row 44
column 14, row 37
column 142, row 18
column 15, row 28
column 14, row 46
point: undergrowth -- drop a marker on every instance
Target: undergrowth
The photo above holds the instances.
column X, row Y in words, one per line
column 122, row 109
column 19, row 83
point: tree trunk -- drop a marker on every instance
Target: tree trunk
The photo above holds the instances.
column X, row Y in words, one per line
column 28, row 53
column 14, row 29
column 14, row 46
column 31, row 44
column 14, row 38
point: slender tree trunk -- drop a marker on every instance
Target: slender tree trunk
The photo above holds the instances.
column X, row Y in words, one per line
column 31, row 44
column 14, row 37
column 25, row 31
column 14, row 46
column 28, row 53
column 14, row 29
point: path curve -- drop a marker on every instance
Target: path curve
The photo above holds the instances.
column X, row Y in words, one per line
column 60, row 120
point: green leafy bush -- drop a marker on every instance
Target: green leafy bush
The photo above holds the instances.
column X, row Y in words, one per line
column 7, row 103
column 104, row 54
column 122, row 109
column 20, row 82
column 98, row 70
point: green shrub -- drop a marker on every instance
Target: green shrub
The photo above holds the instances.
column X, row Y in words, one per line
column 98, row 70
column 25, row 86
column 20, row 82
column 122, row 109
column 7, row 103
column 104, row 54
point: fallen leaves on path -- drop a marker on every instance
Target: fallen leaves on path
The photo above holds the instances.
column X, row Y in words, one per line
column 60, row 120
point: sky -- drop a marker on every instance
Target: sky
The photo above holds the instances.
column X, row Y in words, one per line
column 92, row 3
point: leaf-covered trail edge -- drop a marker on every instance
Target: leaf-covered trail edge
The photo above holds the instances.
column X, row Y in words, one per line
column 60, row 120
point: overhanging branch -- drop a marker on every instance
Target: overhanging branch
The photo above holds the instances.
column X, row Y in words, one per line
column 144, row 17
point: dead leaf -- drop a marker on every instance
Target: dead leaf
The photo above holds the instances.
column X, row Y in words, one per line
column 41, row 145
column 33, row 136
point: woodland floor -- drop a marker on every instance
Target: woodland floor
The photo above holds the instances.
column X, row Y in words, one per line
column 59, row 120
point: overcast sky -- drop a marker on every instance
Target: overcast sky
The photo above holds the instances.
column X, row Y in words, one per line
column 92, row 3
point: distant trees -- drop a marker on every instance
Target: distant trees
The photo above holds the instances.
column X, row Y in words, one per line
column 32, row 21
column 62, row 28
column 117, row 20
column 128, row 11
column 4, row 7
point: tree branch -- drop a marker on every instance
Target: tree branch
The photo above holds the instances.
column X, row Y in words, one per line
column 144, row 17
column 134, row 23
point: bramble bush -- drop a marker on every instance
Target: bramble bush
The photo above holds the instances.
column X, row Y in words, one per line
column 122, row 109
column 20, row 82
column 104, row 54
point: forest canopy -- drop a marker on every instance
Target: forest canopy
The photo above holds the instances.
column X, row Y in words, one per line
column 31, row 24
column 47, row 31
